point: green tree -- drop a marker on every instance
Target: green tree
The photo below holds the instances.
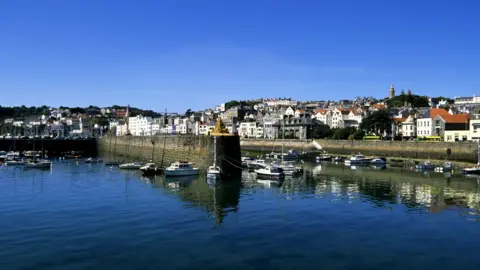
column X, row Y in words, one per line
column 343, row 133
column 378, row 122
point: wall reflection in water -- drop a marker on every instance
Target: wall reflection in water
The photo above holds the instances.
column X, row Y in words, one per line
column 417, row 191
column 219, row 198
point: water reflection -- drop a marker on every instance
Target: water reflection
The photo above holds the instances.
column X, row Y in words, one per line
column 417, row 191
column 216, row 197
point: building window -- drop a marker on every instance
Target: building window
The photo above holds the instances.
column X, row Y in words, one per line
column 449, row 137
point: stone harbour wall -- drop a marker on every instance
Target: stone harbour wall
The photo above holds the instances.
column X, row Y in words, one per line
column 460, row 151
column 171, row 148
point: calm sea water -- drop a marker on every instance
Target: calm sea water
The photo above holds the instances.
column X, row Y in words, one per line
column 93, row 217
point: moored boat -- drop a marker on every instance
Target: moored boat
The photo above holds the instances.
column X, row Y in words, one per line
column 151, row 169
column 426, row 166
column 181, row 168
column 289, row 168
column 291, row 155
column 270, row 172
column 338, row 159
column 131, row 166
column 93, row 161
column 378, row 161
column 42, row 164
column 213, row 172
column 358, row 160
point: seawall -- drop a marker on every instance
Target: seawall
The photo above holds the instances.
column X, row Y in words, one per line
column 163, row 150
column 459, row 151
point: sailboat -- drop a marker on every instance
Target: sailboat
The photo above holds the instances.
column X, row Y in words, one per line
column 214, row 171
column 39, row 163
column 475, row 169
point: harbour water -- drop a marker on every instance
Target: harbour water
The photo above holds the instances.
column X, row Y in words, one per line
column 80, row 216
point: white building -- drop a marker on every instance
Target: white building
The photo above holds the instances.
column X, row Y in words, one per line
column 467, row 100
column 247, row 129
column 280, row 102
column 203, row 128
column 407, row 127
column 259, row 132
column 323, row 116
column 121, row 130
column 289, row 112
column 475, row 128
column 425, row 126
column 140, row 125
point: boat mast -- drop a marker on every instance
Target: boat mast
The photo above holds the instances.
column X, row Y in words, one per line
column 164, row 138
column 283, row 135
column 214, row 151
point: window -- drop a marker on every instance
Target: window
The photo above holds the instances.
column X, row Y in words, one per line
column 449, row 137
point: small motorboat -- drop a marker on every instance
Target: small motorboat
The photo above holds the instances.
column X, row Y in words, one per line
column 131, row 166
column 3, row 155
column 257, row 164
column 291, row 155
column 270, row 172
column 358, row 160
column 151, row 169
column 323, row 157
column 289, row 169
column 15, row 162
column 378, row 161
column 472, row 170
column 426, row 166
column 338, row 159
column 42, row 164
column 447, row 167
column 93, row 161
column 181, row 168
column 213, row 172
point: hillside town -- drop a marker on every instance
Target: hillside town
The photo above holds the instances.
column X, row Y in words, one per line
column 398, row 117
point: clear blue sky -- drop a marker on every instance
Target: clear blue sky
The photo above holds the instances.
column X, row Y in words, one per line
column 194, row 54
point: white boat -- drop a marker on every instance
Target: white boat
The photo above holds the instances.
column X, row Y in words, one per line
column 378, row 161
column 289, row 168
column 214, row 171
column 93, row 161
column 3, row 155
column 181, row 168
column 44, row 164
column 270, row 172
column 258, row 163
column 150, row 169
column 358, row 160
column 15, row 162
column 131, row 166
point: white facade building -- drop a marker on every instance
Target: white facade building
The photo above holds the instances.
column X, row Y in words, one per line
column 408, row 127
column 140, row 125
column 289, row 112
column 259, row 132
column 467, row 100
column 247, row 129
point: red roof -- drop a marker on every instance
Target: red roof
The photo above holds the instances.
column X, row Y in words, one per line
column 322, row 111
column 400, row 120
column 378, row 106
column 456, row 118
column 434, row 112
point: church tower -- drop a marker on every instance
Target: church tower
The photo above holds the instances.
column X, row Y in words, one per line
column 392, row 91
